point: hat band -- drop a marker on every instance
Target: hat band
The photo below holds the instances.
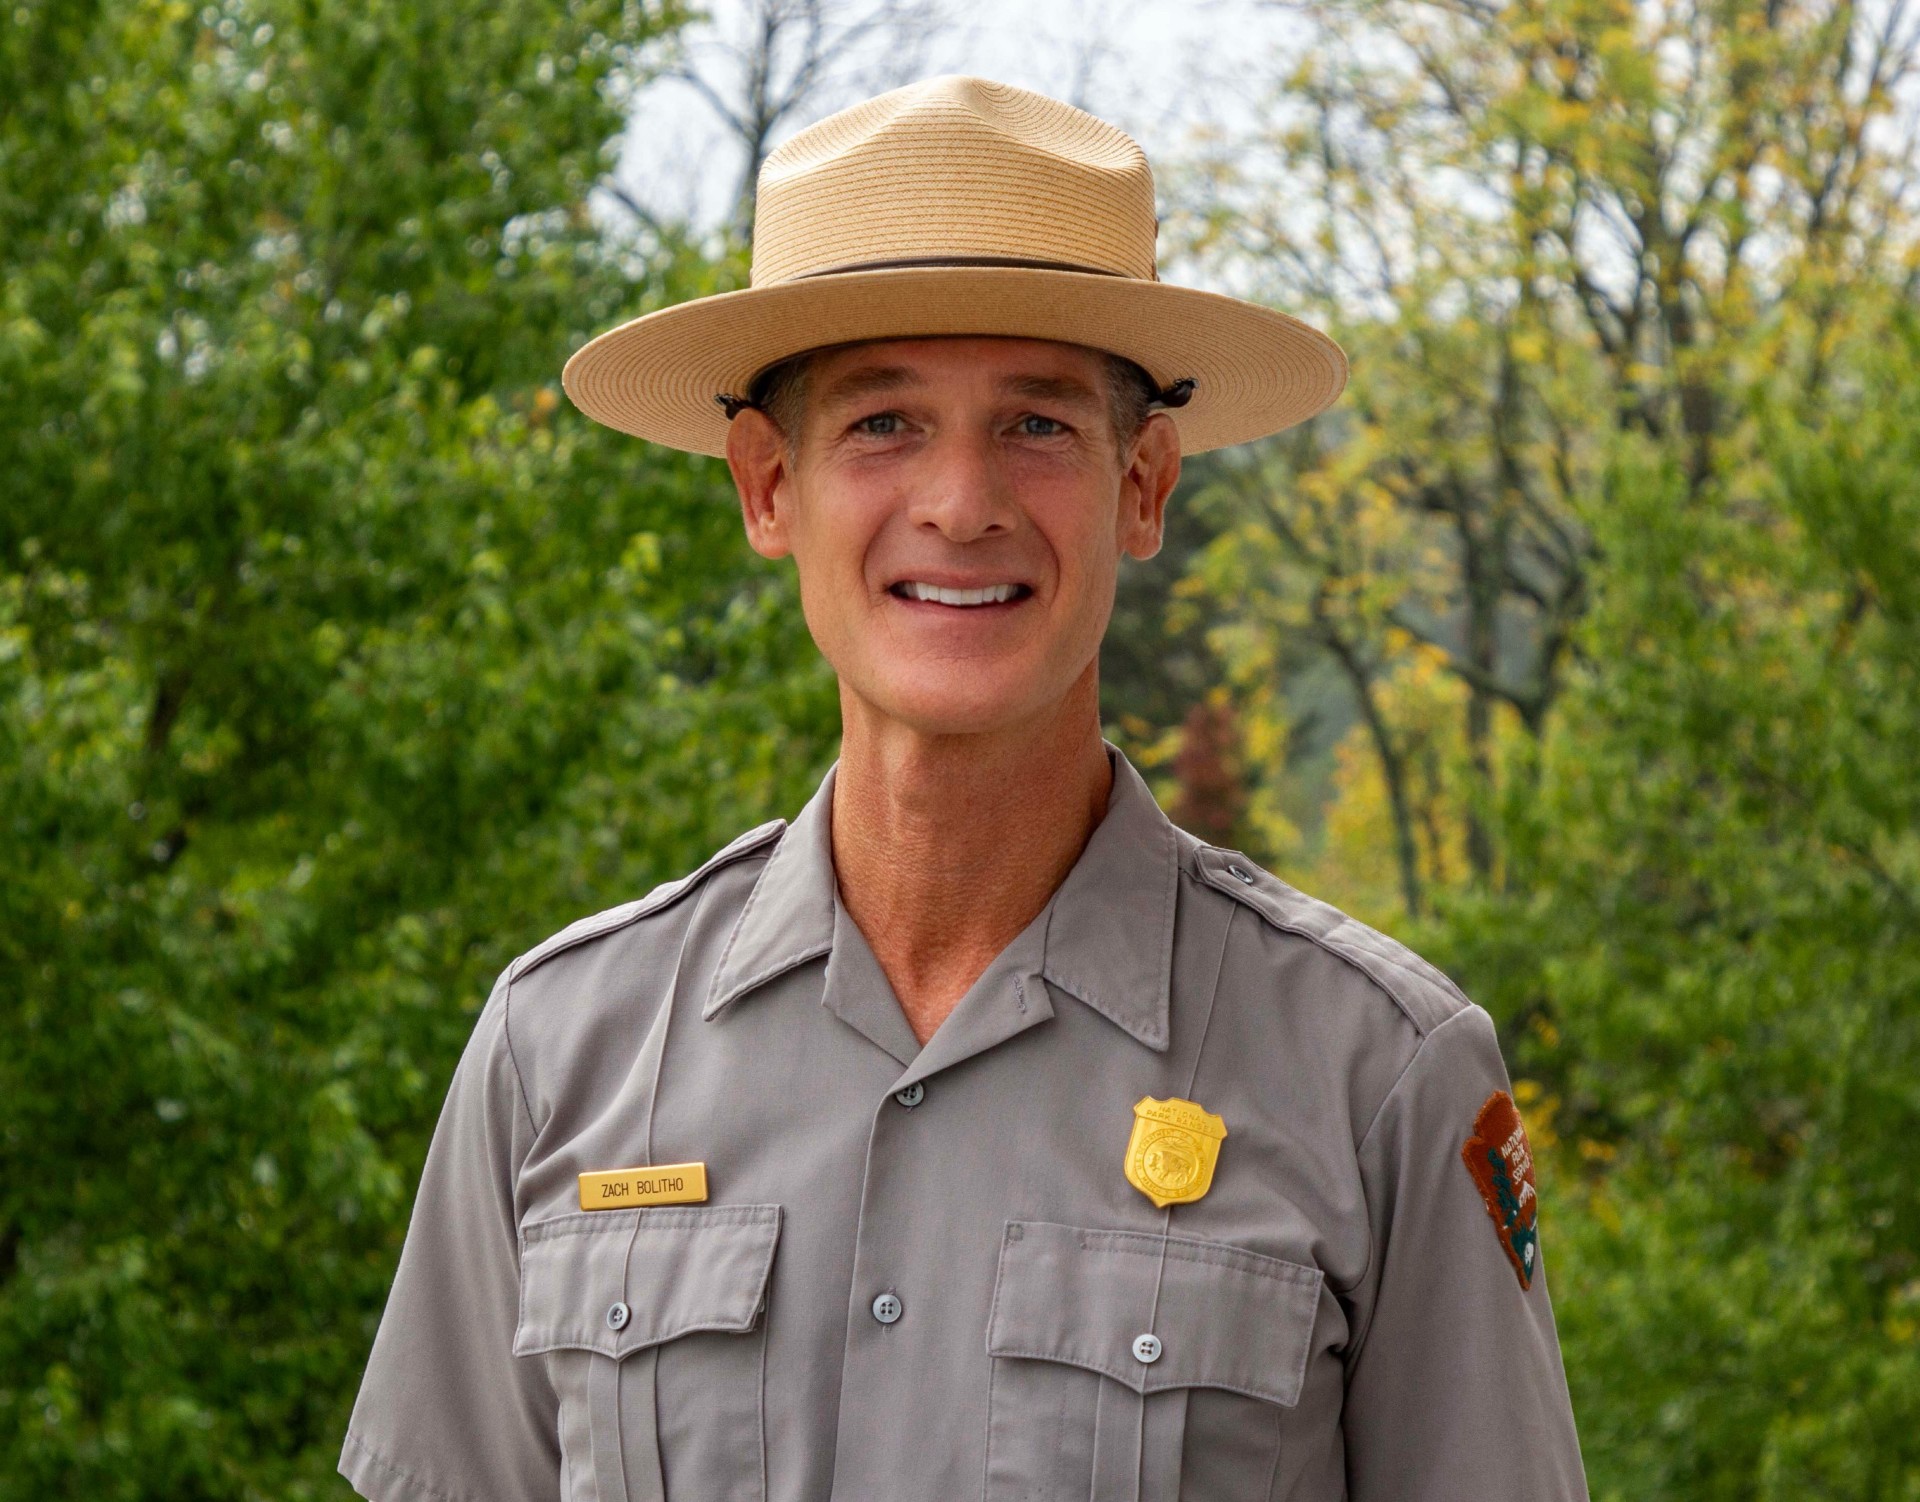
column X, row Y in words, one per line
column 918, row 261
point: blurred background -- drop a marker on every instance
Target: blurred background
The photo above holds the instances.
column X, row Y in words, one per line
column 342, row 660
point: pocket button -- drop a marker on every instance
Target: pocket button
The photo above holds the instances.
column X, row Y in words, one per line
column 618, row 1316
column 1146, row 1349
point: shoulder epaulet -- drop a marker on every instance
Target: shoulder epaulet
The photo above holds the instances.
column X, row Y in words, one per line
column 1418, row 987
column 592, row 927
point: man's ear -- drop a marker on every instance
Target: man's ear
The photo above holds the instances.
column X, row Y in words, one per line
column 762, row 470
column 1153, row 469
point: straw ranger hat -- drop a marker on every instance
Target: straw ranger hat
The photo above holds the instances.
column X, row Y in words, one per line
column 958, row 206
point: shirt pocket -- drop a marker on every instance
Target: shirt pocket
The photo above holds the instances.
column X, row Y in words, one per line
column 1080, row 1405
column 650, row 1323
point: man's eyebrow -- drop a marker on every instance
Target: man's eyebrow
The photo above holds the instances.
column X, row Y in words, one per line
column 867, row 380
column 1050, row 389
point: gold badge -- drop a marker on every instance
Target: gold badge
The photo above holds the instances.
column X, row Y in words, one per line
column 664, row 1184
column 1171, row 1154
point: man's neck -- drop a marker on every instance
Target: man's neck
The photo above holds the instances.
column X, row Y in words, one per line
column 946, row 847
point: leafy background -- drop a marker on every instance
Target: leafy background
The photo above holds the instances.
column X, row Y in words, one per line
column 341, row 659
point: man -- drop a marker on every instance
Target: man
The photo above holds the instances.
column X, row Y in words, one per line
column 980, row 1133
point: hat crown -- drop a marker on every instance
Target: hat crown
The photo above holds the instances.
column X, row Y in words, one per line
column 955, row 168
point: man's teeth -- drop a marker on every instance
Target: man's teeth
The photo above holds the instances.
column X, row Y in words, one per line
column 993, row 594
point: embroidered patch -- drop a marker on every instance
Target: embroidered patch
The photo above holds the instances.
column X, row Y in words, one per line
column 1501, row 1162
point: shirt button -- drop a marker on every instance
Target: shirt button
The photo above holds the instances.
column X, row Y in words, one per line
column 618, row 1316
column 912, row 1095
column 1146, row 1349
column 887, row 1308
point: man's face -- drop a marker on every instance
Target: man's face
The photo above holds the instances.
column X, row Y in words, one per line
column 957, row 509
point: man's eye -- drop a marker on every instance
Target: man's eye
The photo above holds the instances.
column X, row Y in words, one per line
column 879, row 425
column 1033, row 425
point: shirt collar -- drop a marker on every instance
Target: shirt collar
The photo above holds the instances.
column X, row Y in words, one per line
column 1108, row 927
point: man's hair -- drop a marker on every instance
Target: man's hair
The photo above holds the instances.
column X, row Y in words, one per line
column 781, row 392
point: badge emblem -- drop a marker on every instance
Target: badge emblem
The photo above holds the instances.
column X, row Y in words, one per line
column 1171, row 1154
column 1501, row 1162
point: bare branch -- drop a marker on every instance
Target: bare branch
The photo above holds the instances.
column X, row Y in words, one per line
column 783, row 60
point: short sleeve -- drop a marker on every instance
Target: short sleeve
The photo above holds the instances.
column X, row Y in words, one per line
column 1455, row 1388
column 446, row 1412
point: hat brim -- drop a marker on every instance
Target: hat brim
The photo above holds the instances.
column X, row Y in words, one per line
column 1255, row 370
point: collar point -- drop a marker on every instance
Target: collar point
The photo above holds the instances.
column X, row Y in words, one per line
column 1144, row 1020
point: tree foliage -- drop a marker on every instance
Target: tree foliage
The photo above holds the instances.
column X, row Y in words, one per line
column 1714, row 974
column 340, row 660
column 1539, row 228
column 1616, row 549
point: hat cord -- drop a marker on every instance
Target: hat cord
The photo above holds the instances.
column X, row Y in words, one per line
column 1176, row 395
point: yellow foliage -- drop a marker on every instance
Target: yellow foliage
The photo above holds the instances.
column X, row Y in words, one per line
column 1422, row 702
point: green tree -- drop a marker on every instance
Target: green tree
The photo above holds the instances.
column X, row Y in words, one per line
column 1538, row 227
column 1628, row 462
column 340, row 661
column 1715, row 976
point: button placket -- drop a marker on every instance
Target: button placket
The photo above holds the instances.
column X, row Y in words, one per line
column 886, row 1328
column 884, row 1351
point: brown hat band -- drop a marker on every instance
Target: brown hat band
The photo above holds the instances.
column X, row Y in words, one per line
column 1015, row 261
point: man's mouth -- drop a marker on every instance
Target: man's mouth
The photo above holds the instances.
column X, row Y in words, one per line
column 940, row 594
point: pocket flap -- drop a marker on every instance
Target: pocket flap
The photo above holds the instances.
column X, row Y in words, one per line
column 677, row 1270
column 1225, row 1317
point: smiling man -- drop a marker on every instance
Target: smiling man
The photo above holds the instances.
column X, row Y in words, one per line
column 980, row 1133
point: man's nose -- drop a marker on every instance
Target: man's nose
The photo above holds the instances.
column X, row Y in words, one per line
column 964, row 493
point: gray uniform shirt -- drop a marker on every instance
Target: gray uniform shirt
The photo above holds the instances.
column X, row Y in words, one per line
column 923, row 1272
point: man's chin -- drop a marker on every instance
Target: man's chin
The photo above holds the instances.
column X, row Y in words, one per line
column 954, row 704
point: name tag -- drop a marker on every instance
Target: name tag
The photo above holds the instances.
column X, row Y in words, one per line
column 662, row 1184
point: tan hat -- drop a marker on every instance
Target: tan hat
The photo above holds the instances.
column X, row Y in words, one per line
column 957, row 206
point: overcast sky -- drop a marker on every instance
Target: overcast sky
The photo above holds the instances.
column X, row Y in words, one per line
column 1159, row 69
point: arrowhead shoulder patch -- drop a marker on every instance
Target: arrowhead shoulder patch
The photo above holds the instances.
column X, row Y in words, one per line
column 1501, row 1162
